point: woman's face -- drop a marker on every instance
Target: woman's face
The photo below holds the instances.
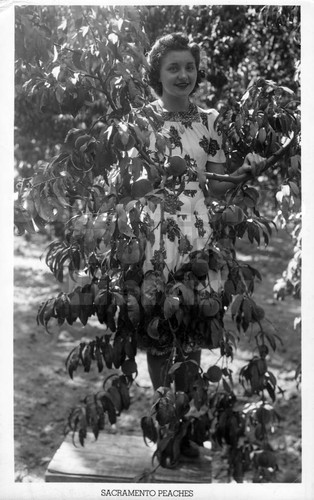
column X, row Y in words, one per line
column 178, row 74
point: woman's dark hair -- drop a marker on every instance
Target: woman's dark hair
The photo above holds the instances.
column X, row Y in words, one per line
column 164, row 45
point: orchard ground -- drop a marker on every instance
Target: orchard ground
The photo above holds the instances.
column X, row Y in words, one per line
column 44, row 393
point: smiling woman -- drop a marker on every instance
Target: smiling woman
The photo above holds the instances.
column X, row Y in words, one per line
column 129, row 187
column 182, row 233
column 191, row 141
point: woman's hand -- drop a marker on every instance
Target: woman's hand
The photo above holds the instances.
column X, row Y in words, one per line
column 252, row 166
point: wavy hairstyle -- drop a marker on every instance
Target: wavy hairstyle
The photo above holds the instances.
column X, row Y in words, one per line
column 164, row 45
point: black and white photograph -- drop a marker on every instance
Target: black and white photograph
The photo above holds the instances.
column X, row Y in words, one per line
column 154, row 206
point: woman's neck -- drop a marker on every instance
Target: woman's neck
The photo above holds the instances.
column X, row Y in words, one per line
column 174, row 104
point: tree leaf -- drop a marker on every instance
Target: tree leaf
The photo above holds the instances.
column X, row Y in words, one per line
column 133, row 309
column 108, row 406
column 165, row 412
column 187, row 293
column 152, row 328
column 124, row 392
column 215, row 333
column 115, row 397
column 171, row 305
column 247, row 310
column 271, row 339
column 149, row 429
column 175, row 367
column 98, row 356
column 226, row 386
column 60, row 193
column 73, row 360
column 236, row 305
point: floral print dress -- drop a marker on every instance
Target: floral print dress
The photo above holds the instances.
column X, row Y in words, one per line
column 193, row 137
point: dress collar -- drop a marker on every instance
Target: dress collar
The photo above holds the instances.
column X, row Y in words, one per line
column 178, row 116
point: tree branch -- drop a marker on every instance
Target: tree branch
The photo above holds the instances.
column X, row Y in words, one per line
column 237, row 179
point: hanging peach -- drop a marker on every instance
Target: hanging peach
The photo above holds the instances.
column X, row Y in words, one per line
column 176, row 166
column 200, row 268
column 233, row 215
column 129, row 252
column 140, row 188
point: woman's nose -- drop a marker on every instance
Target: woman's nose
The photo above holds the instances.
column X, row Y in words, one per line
column 182, row 74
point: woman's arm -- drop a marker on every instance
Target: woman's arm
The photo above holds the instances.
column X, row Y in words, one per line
column 253, row 163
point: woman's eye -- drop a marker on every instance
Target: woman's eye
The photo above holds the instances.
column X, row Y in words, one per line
column 175, row 68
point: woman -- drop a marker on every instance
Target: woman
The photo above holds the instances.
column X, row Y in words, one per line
column 174, row 76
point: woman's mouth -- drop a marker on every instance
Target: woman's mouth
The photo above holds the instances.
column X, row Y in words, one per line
column 182, row 85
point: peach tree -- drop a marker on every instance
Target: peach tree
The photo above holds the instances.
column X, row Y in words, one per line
column 86, row 68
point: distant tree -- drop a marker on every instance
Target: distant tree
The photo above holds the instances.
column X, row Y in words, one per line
column 239, row 42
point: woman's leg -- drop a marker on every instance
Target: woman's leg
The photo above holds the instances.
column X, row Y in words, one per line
column 181, row 378
column 157, row 369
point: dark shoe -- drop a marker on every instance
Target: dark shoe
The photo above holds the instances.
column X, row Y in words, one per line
column 189, row 449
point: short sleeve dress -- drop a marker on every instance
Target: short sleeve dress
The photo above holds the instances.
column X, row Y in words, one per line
column 193, row 137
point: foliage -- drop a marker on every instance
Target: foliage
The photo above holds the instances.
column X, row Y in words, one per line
column 239, row 42
column 84, row 70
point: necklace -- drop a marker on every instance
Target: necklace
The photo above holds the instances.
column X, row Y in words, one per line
column 191, row 114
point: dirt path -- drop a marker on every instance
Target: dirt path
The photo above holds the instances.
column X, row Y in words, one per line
column 44, row 393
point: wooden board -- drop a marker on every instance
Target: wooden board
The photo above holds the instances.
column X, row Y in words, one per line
column 121, row 459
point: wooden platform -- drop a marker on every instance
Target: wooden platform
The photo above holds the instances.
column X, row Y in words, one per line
column 116, row 458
